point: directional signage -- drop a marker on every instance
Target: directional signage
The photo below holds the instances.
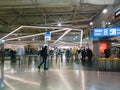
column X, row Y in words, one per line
column 117, row 13
column 106, row 31
column 47, row 36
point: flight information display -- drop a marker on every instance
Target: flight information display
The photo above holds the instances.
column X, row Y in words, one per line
column 106, row 31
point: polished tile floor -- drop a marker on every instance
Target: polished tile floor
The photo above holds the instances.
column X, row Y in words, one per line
column 60, row 76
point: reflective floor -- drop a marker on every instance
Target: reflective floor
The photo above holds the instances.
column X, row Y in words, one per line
column 61, row 75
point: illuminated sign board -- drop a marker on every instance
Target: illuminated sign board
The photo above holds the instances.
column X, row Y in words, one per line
column 47, row 36
column 117, row 13
column 102, row 46
column 106, row 31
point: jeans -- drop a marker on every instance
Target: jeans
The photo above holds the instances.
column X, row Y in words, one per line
column 43, row 62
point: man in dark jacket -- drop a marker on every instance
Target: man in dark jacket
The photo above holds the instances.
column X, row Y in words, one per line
column 83, row 53
column 107, row 53
column 44, row 55
column 89, row 54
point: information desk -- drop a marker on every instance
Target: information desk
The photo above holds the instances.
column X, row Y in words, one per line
column 109, row 63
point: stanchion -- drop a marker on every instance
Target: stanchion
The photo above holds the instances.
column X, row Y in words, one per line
column 56, row 57
column 2, row 42
column 61, row 57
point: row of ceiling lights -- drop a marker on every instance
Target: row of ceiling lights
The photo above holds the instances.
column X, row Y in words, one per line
column 91, row 23
column 32, row 39
column 104, row 12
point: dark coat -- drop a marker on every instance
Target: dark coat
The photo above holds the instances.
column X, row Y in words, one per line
column 107, row 53
column 43, row 53
column 89, row 53
column 83, row 53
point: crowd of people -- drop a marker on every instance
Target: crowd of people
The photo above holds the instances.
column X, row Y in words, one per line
column 11, row 53
column 83, row 53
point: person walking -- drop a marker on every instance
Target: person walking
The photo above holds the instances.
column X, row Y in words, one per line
column 13, row 55
column 44, row 55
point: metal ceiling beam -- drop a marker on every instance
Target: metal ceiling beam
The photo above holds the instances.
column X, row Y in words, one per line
column 33, row 35
column 83, row 17
column 11, row 32
column 71, row 21
column 66, row 32
column 36, row 2
column 3, row 22
column 79, row 4
column 62, row 29
column 94, row 16
column 29, row 27
column 65, row 3
column 47, row 13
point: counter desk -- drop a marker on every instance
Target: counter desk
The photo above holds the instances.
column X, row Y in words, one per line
column 109, row 63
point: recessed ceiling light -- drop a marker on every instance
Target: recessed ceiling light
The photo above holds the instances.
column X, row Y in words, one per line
column 105, row 11
column 33, row 39
column 59, row 24
column 91, row 23
column 109, row 23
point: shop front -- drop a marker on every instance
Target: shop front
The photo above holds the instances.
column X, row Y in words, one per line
column 108, row 48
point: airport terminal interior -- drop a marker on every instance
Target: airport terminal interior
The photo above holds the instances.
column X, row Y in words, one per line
column 59, row 45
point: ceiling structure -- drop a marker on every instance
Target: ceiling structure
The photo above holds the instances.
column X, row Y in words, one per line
column 70, row 13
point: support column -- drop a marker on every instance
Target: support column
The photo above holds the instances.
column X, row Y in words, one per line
column 2, row 63
column 81, row 36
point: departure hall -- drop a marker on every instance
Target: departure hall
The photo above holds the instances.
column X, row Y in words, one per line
column 59, row 45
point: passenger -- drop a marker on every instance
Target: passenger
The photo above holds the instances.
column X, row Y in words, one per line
column 74, row 50
column 44, row 55
column 79, row 53
column 51, row 52
column 83, row 53
column 107, row 52
column 13, row 55
column 118, row 53
column 68, row 54
column 89, row 54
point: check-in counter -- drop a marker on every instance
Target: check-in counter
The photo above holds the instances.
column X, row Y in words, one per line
column 109, row 63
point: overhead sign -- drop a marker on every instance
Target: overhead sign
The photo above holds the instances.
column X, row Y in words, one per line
column 106, row 31
column 117, row 13
column 47, row 36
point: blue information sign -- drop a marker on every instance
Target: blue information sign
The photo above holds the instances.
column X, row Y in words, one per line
column 47, row 33
column 106, row 31
column 47, row 36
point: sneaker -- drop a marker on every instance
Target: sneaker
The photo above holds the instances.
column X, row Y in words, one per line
column 45, row 68
column 38, row 67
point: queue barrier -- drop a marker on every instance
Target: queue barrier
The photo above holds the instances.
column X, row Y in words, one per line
column 109, row 63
